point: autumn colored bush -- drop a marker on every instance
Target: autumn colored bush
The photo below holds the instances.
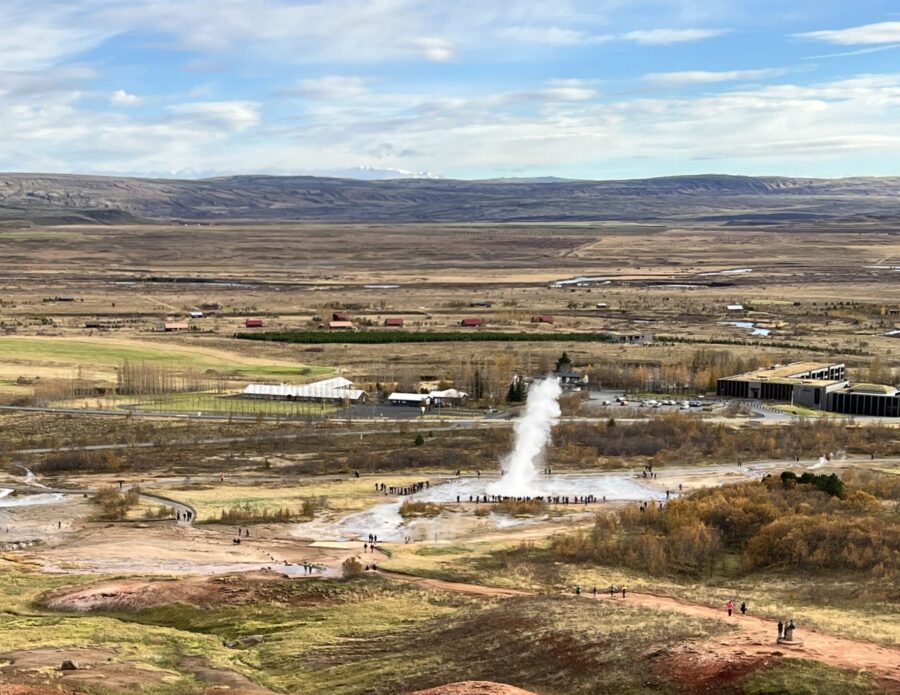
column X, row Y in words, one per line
column 777, row 523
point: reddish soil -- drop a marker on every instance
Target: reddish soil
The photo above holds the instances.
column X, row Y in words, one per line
column 732, row 655
column 95, row 667
column 474, row 688
column 137, row 594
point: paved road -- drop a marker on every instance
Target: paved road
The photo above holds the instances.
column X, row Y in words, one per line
column 182, row 510
column 32, row 485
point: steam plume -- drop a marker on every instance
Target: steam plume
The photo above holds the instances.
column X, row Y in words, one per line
column 532, row 434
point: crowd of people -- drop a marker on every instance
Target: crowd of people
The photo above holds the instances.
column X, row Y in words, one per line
column 410, row 489
column 549, row 499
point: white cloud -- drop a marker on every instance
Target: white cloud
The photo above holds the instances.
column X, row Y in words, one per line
column 662, row 37
column 554, row 36
column 688, row 77
column 435, row 50
column 330, row 87
column 37, row 36
column 122, row 98
column 867, row 34
column 233, row 116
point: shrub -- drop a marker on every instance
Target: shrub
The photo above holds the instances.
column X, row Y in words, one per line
column 771, row 524
column 248, row 514
column 409, row 508
column 351, row 568
column 113, row 504
column 512, row 507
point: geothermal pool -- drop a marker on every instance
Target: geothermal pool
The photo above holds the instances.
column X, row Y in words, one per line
column 384, row 520
column 750, row 326
column 28, row 500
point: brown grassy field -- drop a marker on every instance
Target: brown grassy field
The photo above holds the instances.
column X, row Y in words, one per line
column 809, row 285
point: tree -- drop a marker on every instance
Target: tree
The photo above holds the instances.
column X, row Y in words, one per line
column 563, row 363
column 478, row 385
column 517, row 392
column 420, row 440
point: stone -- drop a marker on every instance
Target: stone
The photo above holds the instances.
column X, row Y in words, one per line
column 69, row 665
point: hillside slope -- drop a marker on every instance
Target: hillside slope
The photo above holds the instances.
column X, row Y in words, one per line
column 61, row 199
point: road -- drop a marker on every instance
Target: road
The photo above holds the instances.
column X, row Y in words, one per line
column 185, row 513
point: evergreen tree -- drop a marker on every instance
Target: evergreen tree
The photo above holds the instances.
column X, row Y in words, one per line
column 478, row 386
column 521, row 391
column 563, row 363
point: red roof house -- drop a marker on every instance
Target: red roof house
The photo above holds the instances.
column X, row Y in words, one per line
column 397, row 323
column 253, row 323
column 470, row 323
column 542, row 319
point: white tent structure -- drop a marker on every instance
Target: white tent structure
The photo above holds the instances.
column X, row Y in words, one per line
column 335, row 389
column 448, row 397
column 414, row 399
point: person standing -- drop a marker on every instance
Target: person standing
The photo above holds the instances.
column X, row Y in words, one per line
column 624, row 589
column 730, row 607
column 780, row 629
column 743, row 608
column 594, row 592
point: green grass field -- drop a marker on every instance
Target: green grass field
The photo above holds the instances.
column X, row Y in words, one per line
column 108, row 352
column 372, row 635
column 213, row 403
column 100, row 357
column 828, row 602
column 343, row 494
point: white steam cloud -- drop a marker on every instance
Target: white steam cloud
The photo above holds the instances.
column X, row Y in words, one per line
column 532, row 434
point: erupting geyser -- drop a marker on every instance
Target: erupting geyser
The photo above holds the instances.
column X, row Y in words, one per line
column 532, row 434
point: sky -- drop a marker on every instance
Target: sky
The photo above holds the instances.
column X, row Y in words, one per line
column 474, row 89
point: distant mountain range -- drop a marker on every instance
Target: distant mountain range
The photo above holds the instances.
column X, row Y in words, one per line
column 74, row 199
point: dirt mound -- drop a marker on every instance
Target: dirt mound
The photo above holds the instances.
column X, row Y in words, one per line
column 94, row 667
column 698, row 671
column 474, row 688
column 137, row 594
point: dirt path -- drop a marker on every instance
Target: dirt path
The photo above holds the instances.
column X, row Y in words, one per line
column 453, row 586
column 753, row 637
